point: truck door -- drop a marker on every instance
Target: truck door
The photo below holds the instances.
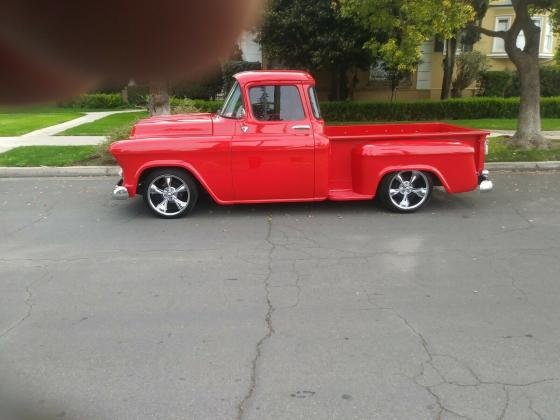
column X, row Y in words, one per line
column 273, row 145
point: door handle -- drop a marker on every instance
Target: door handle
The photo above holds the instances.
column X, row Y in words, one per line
column 301, row 127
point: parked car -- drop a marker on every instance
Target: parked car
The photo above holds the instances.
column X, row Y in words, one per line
column 269, row 143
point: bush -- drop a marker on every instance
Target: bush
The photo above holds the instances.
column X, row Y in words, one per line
column 121, row 133
column 550, row 81
column 468, row 108
column 184, row 106
column 495, row 83
column 206, row 88
column 197, row 104
column 506, row 84
column 137, row 95
column 232, row 67
column 96, row 101
column 452, row 109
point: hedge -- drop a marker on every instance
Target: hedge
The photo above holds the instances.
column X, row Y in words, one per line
column 469, row 108
column 506, row 83
column 453, row 109
column 96, row 101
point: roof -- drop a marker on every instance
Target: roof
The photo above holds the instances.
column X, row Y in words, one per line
column 273, row 75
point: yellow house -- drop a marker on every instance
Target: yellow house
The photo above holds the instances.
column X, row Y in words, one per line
column 425, row 83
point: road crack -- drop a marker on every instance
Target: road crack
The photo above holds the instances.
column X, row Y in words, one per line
column 245, row 402
column 28, row 302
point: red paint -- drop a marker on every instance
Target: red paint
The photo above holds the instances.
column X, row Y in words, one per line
column 249, row 161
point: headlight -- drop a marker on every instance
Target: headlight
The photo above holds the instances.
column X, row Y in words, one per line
column 120, row 172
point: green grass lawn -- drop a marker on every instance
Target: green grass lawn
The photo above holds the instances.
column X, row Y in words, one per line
column 18, row 123
column 47, row 155
column 499, row 151
column 548, row 124
column 104, row 126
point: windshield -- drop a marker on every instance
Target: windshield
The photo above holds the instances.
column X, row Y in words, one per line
column 233, row 106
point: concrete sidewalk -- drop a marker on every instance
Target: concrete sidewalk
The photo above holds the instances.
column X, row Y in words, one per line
column 47, row 136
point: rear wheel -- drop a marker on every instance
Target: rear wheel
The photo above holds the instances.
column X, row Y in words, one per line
column 170, row 193
column 405, row 191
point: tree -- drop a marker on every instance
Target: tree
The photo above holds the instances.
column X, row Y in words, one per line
column 466, row 36
column 158, row 99
column 312, row 35
column 470, row 65
column 399, row 27
column 526, row 61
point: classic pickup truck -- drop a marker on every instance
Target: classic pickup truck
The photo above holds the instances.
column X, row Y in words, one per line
column 269, row 144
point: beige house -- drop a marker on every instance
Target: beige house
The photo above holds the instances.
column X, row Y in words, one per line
column 426, row 82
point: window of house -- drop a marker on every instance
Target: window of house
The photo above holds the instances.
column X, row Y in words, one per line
column 276, row 103
column 502, row 24
column 377, row 72
column 548, row 37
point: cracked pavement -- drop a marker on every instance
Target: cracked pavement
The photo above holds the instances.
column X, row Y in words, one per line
column 292, row 311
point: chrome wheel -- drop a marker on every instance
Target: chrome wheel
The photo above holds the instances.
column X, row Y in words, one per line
column 168, row 195
column 408, row 190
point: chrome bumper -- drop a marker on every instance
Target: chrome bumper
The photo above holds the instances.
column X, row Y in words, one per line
column 484, row 183
column 120, row 192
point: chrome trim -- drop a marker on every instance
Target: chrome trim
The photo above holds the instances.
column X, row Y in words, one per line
column 301, row 127
column 120, row 193
column 486, row 186
column 408, row 192
column 484, row 183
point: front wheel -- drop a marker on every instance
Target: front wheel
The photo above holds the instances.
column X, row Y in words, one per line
column 170, row 193
column 405, row 191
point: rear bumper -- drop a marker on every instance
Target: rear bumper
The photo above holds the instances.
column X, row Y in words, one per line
column 484, row 182
column 120, row 192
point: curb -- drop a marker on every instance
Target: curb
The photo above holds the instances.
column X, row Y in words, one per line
column 85, row 171
column 553, row 165
column 70, row 171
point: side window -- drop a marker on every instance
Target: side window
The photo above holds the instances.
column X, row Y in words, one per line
column 233, row 105
column 314, row 103
column 276, row 103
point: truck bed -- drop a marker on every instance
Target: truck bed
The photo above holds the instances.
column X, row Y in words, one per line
column 356, row 153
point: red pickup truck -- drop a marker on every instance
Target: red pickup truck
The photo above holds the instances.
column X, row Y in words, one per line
column 269, row 144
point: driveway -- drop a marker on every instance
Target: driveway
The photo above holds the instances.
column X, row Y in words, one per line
column 300, row 311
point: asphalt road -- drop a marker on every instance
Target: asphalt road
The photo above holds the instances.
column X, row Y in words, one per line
column 303, row 311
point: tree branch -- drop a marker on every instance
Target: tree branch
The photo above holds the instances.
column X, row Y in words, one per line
column 496, row 34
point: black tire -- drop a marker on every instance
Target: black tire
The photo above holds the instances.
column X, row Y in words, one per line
column 405, row 191
column 170, row 193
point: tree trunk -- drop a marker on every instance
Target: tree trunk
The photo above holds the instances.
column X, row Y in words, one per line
column 526, row 61
column 528, row 134
column 448, row 67
column 158, row 102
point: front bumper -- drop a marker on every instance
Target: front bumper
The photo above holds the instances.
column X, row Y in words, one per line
column 484, row 182
column 120, row 192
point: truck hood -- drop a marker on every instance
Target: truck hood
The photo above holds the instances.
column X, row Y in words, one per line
column 179, row 125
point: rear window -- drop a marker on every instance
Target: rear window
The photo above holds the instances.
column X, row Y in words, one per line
column 276, row 103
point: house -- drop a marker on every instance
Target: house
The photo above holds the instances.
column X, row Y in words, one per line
column 426, row 82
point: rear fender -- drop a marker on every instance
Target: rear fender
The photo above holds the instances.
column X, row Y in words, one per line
column 451, row 163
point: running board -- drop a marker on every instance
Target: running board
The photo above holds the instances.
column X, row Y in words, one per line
column 347, row 195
